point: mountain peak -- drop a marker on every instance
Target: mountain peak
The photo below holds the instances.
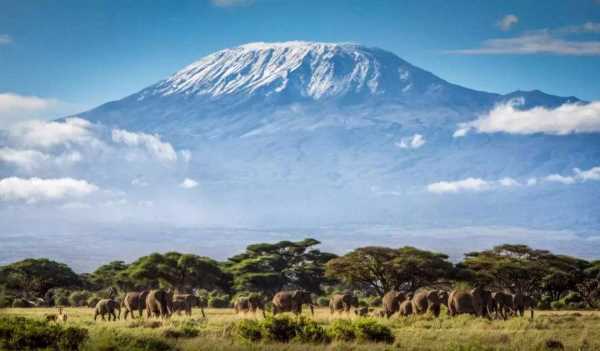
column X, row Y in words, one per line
column 296, row 69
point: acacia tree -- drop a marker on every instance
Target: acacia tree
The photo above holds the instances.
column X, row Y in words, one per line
column 588, row 286
column 521, row 269
column 382, row 269
column 180, row 271
column 269, row 268
column 37, row 276
column 113, row 274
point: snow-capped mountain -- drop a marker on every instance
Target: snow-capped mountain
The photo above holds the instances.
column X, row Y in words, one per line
column 301, row 77
column 336, row 139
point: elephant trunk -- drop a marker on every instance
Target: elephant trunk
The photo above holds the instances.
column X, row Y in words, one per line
column 312, row 309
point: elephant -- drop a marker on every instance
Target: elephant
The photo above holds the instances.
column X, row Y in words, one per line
column 523, row 302
column 134, row 301
column 391, row 302
column 185, row 302
column 406, row 308
column 159, row 303
column 502, row 304
column 107, row 307
column 292, row 301
column 342, row 302
column 251, row 303
column 427, row 300
column 477, row 301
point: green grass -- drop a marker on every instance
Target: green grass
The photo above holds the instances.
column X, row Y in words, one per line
column 575, row 330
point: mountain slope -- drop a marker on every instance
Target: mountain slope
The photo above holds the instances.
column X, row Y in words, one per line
column 302, row 132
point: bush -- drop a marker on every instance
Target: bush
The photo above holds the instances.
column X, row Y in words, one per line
column 114, row 340
column 79, row 298
column 557, row 305
column 572, row 297
column 323, row 301
column 5, row 301
column 309, row 331
column 282, row 329
column 372, row 330
column 61, row 300
column 219, row 301
column 18, row 333
column 249, row 329
column 342, row 330
column 279, row 328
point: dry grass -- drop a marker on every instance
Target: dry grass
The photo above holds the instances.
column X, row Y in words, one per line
column 574, row 330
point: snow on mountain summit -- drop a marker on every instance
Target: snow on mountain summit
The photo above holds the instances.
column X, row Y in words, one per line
column 304, row 69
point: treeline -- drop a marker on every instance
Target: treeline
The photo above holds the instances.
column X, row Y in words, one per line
column 555, row 281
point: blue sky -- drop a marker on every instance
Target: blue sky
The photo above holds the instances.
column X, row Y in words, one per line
column 75, row 55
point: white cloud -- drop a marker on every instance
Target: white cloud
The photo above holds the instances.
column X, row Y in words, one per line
column 15, row 108
column 590, row 174
column 560, row 179
column 468, row 184
column 152, row 143
column 231, row 3
column 565, row 119
column 508, row 182
column 539, row 42
column 48, row 134
column 25, row 159
column 532, row 181
column 188, row 183
column 506, row 22
column 36, row 189
column 471, row 184
column 412, row 142
column 5, row 39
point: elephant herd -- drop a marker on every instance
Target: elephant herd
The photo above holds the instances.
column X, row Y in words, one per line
column 477, row 301
column 162, row 303
column 158, row 303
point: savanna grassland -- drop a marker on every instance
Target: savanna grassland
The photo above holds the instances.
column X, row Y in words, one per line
column 569, row 330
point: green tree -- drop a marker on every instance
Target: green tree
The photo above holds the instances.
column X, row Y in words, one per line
column 522, row 269
column 588, row 286
column 269, row 268
column 180, row 271
column 113, row 274
column 37, row 276
column 381, row 269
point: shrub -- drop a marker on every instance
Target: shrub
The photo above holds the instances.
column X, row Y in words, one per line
column 342, row 330
column 323, row 301
column 5, row 301
column 557, row 305
column 249, row 329
column 61, row 300
column 79, row 298
column 109, row 339
column 372, row 330
column 219, row 301
column 572, row 297
column 309, row 331
column 279, row 328
column 18, row 333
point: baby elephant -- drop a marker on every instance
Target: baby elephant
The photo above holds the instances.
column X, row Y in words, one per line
column 107, row 307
